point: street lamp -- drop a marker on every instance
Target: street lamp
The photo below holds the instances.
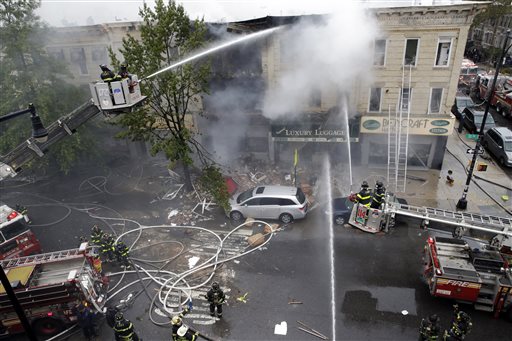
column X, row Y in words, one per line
column 462, row 204
column 39, row 132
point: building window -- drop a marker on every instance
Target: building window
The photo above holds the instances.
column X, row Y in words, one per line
column 56, row 53
column 379, row 52
column 99, row 54
column 315, row 98
column 405, row 98
column 411, row 51
column 443, row 51
column 375, row 100
column 78, row 58
column 436, row 94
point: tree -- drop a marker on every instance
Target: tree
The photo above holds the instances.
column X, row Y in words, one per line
column 29, row 75
column 496, row 10
column 167, row 35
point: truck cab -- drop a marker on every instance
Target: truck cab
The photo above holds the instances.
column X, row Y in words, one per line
column 16, row 238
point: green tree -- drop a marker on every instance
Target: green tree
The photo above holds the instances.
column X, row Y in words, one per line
column 496, row 10
column 167, row 36
column 29, row 75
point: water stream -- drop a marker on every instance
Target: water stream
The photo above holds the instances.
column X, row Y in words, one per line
column 327, row 176
column 344, row 109
column 214, row 49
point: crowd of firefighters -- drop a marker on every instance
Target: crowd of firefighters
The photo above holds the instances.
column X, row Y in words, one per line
column 430, row 330
column 110, row 250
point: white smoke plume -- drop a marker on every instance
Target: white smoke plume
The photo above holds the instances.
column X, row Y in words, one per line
column 334, row 51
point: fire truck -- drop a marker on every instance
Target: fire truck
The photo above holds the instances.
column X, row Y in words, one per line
column 16, row 239
column 502, row 98
column 485, row 83
column 49, row 286
column 480, row 276
column 468, row 73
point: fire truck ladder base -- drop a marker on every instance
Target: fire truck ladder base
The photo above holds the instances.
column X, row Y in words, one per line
column 485, row 223
column 42, row 258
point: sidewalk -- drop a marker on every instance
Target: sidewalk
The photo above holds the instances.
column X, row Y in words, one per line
column 429, row 187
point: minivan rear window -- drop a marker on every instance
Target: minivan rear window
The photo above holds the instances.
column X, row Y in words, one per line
column 300, row 196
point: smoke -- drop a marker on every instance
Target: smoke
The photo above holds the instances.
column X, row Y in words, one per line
column 321, row 53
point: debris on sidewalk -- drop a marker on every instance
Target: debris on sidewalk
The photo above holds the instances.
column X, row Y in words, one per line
column 293, row 301
column 504, row 197
column 242, row 298
column 281, row 328
column 256, row 239
column 311, row 331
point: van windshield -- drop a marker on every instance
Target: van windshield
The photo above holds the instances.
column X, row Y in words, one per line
column 300, row 196
column 507, row 146
column 244, row 196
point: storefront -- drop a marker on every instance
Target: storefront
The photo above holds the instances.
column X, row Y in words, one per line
column 427, row 140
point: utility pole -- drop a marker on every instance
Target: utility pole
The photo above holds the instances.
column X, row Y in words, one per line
column 462, row 204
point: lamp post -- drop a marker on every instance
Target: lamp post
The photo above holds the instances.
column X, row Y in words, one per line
column 40, row 134
column 462, row 204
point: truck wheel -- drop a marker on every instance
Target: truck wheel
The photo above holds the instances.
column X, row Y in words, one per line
column 47, row 326
column 509, row 314
column 499, row 110
column 339, row 220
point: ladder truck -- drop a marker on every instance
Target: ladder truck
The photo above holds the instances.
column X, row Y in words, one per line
column 49, row 286
column 478, row 273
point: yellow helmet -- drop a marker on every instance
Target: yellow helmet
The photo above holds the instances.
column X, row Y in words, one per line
column 176, row 320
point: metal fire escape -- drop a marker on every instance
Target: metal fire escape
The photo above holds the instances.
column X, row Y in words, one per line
column 398, row 135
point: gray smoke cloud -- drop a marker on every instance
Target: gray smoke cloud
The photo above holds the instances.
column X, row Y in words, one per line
column 317, row 55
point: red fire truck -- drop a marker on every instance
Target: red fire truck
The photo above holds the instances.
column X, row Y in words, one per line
column 502, row 98
column 481, row 277
column 16, row 239
column 485, row 82
column 468, row 73
column 48, row 287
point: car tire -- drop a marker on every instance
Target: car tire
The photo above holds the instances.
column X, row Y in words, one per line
column 502, row 161
column 339, row 220
column 47, row 326
column 236, row 216
column 286, row 218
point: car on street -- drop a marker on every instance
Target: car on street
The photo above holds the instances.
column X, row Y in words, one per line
column 342, row 207
column 285, row 203
column 498, row 141
column 461, row 102
column 473, row 120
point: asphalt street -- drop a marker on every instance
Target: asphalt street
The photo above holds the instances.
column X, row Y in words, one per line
column 378, row 290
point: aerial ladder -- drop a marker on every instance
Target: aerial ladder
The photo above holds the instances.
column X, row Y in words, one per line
column 375, row 220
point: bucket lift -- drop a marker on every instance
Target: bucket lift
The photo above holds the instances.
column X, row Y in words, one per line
column 117, row 96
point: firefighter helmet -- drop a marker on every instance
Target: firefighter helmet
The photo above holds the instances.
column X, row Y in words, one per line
column 462, row 316
column 365, row 184
column 379, row 184
column 176, row 320
column 215, row 286
column 433, row 318
column 104, row 67
column 182, row 330
column 119, row 316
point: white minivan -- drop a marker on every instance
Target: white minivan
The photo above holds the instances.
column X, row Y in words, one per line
column 285, row 203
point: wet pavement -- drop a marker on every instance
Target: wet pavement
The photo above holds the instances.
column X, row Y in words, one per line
column 377, row 278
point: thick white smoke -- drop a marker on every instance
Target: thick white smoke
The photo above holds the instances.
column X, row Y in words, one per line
column 334, row 50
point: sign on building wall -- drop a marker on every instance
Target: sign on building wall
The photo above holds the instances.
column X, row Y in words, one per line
column 424, row 125
column 304, row 134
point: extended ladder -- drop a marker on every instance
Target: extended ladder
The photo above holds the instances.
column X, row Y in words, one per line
column 486, row 223
column 43, row 258
column 398, row 136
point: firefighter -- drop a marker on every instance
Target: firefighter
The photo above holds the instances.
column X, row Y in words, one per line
column 123, row 329
column 378, row 195
column 121, row 252
column 24, row 212
column 107, row 247
column 110, row 315
column 461, row 325
column 85, row 319
column 216, row 298
column 177, row 322
column 106, row 74
column 123, row 72
column 96, row 235
column 449, row 178
column 185, row 334
column 364, row 197
column 429, row 328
